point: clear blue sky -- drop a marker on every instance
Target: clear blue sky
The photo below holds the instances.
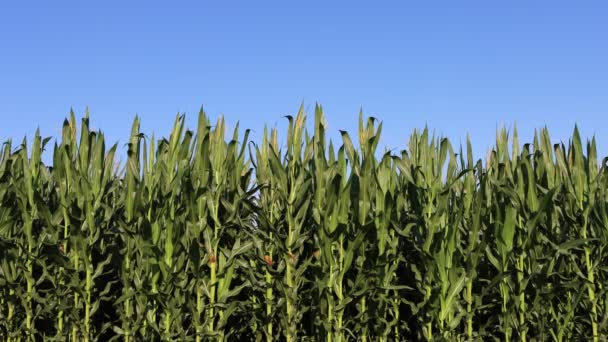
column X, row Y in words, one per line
column 459, row 67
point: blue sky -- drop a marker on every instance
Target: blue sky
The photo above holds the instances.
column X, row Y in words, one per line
column 459, row 67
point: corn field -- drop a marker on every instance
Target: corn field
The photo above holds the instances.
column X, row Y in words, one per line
column 207, row 236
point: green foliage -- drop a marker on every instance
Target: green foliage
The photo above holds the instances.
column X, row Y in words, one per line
column 203, row 236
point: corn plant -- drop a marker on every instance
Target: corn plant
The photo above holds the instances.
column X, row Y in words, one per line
column 269, row 216
column 292, row 186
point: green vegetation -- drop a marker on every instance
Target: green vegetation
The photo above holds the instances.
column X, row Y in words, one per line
column 208, row 237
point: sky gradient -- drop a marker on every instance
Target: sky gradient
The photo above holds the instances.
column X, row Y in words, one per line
column 456, row 67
